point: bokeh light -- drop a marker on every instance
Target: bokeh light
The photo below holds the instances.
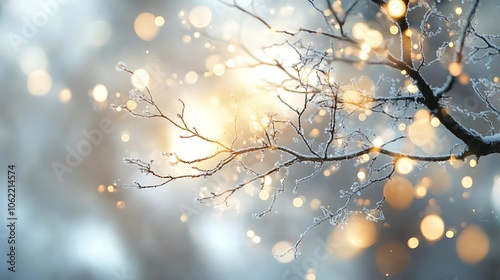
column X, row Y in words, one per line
column 413, row 243
column 131, row 104
column 191, row 77
column 39, row 82
column 432, row 227
column 159, row 21
column 145, row 26
column 421, row 131
column 65, row 95
column 140, row 79
column 455, row 69
column 101, row 188
column 298, row 202
column 280, row 248
column 467, row 182
column 264, row 195
column 472, row 245
column 200, row 16
column 404, row 165
column 361, row 233
column 100, row 93
column 396, row 8
column 398, row 192
column 340, row 246
column 120, row 204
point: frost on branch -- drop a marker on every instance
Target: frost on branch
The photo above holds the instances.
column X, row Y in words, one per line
column 359, row 87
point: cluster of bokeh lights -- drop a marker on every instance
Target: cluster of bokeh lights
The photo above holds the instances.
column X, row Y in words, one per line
column 472, row 243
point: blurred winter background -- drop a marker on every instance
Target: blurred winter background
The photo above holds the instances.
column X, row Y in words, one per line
column 58, row 81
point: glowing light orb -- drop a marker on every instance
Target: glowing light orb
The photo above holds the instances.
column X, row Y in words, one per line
column 298, row 202
column 131, row 104
column 125, row 137
column 413, row 243
column 65, row 95
column 398, row 192
column 467, row 182
column 361, row 233
column 396, row 8
column 455, row 69
column 315, row 204
column 340, row 246
column 394, row 29
column 39, row 82
column 432, row 227
column 140, row 79
column 200, row 16
column 191, row 77
column 100, row 93
column 145, row 26
column 472, row 245
column 371, row 38
column 219, row 69
column 120, row 204
column 281, row 247
column 159, row 21
column 264, row 195
column 404, row 165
